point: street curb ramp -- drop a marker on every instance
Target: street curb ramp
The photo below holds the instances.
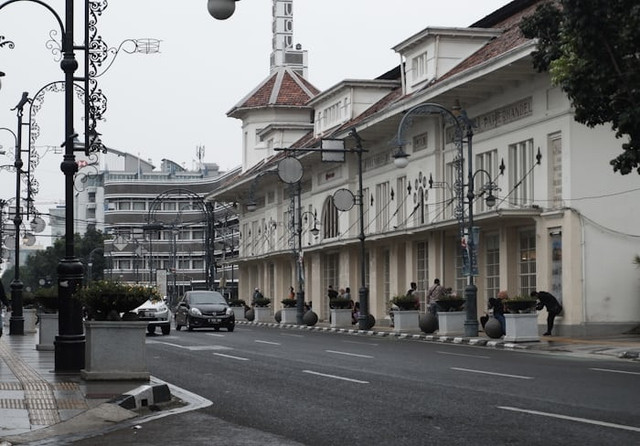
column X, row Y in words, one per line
column 143, row 396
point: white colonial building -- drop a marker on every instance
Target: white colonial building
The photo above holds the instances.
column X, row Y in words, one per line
column 562, row 220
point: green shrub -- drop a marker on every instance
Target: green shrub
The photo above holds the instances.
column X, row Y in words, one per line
column 340, row 303
column 289, row 303
column 262, row 302
column 405, row 302
column 106, row 300
column 237, row 303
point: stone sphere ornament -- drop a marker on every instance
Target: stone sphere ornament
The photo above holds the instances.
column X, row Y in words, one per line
column 250, row 315
column 428, row 323
column 492, row 328
column 310, row 318
column 278, row 316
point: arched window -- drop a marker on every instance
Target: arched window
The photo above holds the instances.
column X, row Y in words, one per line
column 329, row 219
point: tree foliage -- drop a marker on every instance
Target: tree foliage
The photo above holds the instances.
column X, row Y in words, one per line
column 590, row 48
column 43, row 265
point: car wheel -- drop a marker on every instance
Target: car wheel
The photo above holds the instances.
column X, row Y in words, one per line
column 151, row 329
column 166, row 329
column 189, row 326
column 216, row 328
column 231, row 327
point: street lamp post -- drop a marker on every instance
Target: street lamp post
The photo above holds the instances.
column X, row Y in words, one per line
column 70, row 342
column 463, row 128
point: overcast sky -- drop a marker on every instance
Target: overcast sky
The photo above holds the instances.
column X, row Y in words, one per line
column 165, row 105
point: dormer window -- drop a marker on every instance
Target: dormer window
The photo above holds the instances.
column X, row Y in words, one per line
column 419, row 67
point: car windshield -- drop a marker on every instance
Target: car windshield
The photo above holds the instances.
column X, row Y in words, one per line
column 206, row 297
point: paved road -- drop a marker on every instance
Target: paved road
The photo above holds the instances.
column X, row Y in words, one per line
column 271, row 386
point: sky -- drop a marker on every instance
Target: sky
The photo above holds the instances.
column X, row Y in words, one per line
column 165, row 105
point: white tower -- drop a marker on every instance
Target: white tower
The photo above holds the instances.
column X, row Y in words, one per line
column 283, row 53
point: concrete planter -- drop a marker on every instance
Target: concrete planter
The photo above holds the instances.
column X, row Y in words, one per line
column 341, row 317
column 451, row 322
column 262, row 314
column 48, row 331
column 289, row 316
column 521, row 327
column 115, row 351
column 30, row 317
column 406, row 320
column 238, row 312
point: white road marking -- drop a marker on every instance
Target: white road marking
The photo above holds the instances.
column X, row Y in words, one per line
column 218, row 335
column 578, row 419
column 616, row 371
column 239, row 358
column 492, row 373
column 360, row 343
column 357, row 381
column 349, row 354
column 462, row 354
column 267, row 342
column 292, row 335
column 193, row 348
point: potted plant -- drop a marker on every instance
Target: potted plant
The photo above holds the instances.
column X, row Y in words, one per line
column 239, row 307
column 47, row 301
column 289, row 311
column 261, row 309
column 520, row 304
column 341, row 309
column 521, row 320
column 406, row 317
column 115, row 339
column 450, row 301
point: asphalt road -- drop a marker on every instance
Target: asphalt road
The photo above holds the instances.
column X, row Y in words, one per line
column 283, row 387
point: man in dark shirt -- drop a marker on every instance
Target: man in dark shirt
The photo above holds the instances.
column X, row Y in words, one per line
column 554, row 307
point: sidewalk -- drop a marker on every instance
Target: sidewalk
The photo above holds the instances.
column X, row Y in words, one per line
column 36, row 403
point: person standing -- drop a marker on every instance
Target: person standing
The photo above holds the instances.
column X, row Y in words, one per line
column 3, row 301
column 331, row 293
column 554, row 307
column 256, row 295
column 435, row 293
column 292, row 293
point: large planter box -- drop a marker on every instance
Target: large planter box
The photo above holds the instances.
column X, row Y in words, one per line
column 406, row 320
column 262, row 314
column 289, row 316
column 48, row 331
column 521, row 327
column 341, row 317
column 451, row 322
column 238, row 312
column 115, row 351
column 30, row 317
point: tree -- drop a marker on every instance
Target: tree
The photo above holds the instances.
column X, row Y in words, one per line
column 590, row 48
column 43, row 265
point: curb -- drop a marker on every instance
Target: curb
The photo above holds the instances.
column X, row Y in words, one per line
column 479, row 341
column 143, row 396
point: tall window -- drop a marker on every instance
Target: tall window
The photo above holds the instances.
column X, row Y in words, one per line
column 527, row 264
column 330, row 225
column 400, row 197
column 331, row 272
column 461, row 279
column 386, row 275
column 521, row 161
column 487, row 161
column 492, row 261
column 383, row 200
column 422, row 271
column 419, row 67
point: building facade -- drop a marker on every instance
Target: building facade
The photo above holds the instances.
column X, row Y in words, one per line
column 560, row 219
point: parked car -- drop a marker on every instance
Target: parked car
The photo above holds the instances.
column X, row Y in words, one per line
column 157, row 314
column 204, row 309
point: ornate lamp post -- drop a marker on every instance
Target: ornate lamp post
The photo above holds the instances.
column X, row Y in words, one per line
column 463, row 129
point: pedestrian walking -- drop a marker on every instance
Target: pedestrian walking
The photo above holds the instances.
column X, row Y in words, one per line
column 554, row 307
column 256, row 295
